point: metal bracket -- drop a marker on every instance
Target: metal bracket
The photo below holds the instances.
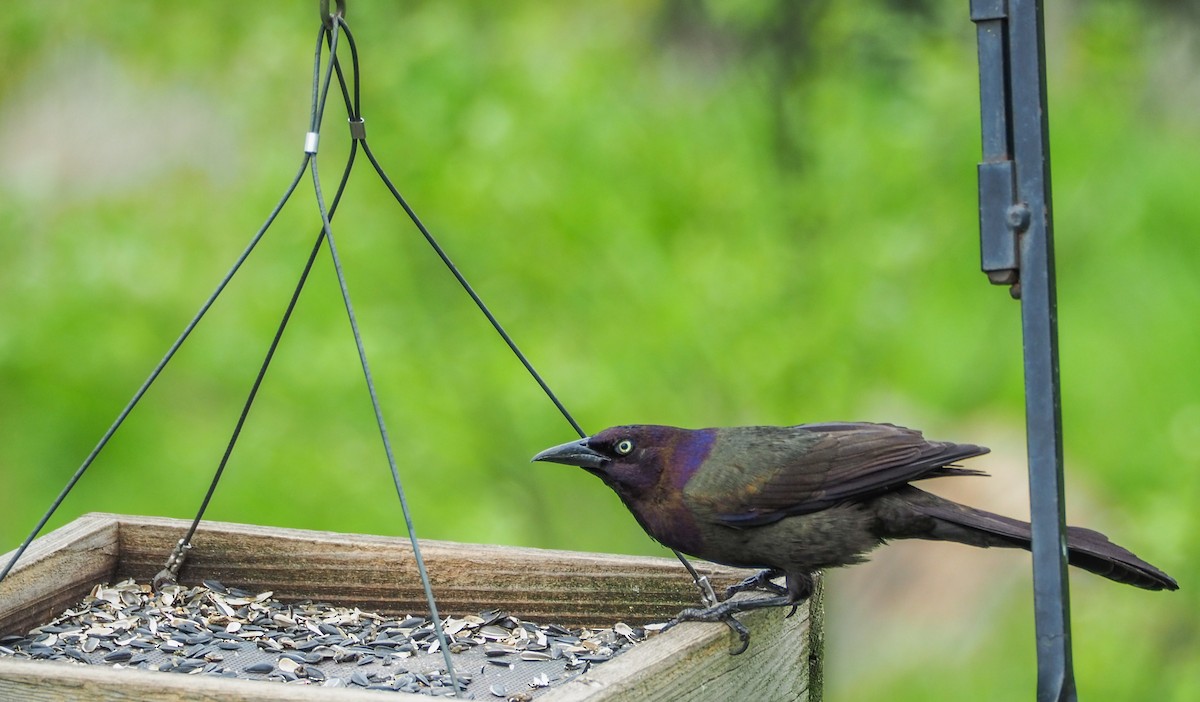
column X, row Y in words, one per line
column 997, row 240
column 997, row 190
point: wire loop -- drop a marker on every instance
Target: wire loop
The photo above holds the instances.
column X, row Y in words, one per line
column 328, row 18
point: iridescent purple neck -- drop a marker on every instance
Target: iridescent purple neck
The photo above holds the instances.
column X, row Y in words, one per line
column 689, row 454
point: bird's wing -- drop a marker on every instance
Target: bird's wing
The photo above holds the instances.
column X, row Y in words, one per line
column 770, row 473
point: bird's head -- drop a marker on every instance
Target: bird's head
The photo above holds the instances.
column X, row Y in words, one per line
column 632, row 459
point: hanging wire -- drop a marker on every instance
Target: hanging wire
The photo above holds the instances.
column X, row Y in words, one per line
column 141, row 391
column 170, row 571
column 328, row 35
column 706, row 591
column 338, row 22
column 176, row 561
column 701, row 581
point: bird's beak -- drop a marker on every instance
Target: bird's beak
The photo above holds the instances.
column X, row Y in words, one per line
column 573, row 453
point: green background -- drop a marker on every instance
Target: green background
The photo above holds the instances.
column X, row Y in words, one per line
column 694, row 213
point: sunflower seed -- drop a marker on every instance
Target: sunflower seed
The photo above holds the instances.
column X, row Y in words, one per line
column 118, row 656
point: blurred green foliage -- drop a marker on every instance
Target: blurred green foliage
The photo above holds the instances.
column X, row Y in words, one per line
column 697, row 213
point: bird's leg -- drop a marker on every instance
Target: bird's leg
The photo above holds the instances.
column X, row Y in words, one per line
column 759, row 581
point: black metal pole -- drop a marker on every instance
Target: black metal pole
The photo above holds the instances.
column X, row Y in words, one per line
column 1017, row 245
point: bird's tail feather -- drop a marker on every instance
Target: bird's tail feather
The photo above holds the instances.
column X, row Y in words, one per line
column 1086, row 549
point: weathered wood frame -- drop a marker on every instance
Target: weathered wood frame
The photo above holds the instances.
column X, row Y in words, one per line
column 689, row 662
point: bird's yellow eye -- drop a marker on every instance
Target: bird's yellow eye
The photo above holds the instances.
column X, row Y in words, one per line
column 624, row 446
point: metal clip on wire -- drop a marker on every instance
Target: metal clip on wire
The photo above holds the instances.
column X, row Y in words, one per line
column 169, row 575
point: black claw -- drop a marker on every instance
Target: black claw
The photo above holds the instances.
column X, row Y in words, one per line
column 789, row 614
column 743, row 635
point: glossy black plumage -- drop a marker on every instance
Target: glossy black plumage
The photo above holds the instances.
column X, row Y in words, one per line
column 793, row 500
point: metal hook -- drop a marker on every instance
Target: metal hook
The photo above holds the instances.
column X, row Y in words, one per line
column 326, row 17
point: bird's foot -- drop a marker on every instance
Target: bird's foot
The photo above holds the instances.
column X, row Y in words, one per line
column 731, row 607
column 759, row 581
column 734, row 625
column 724, row 613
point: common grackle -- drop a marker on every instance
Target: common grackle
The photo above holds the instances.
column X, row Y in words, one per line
column 794, row 500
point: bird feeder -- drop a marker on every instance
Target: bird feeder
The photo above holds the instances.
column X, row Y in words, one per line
column 374, row 573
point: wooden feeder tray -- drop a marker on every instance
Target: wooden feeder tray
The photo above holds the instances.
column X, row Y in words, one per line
column 374, row 573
